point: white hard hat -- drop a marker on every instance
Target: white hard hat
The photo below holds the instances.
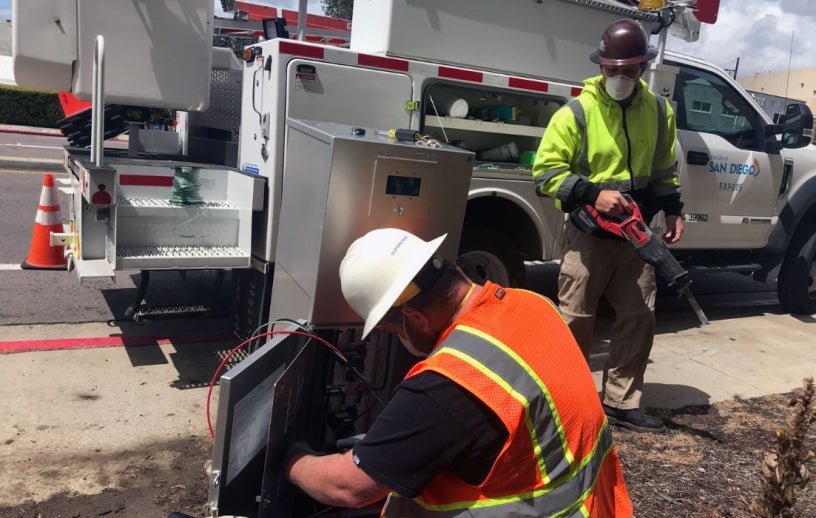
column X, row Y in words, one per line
column 378, row 267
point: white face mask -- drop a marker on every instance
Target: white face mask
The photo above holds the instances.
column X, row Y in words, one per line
column 409, row 346
column 619, row 87
column 406, row 342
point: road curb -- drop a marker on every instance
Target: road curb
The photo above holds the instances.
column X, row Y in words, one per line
column 46, row 132
column 25, row 130
column 31, row 164
column 19, row 346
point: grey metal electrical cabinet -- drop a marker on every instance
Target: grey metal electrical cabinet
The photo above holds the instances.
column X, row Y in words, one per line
column 342, row 181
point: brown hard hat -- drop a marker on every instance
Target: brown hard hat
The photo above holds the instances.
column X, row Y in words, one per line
column 623, row 43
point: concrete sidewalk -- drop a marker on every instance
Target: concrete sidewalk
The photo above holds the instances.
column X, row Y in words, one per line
column 741, row 353
column 15, row 163
column 28, row 130
column 79, row 420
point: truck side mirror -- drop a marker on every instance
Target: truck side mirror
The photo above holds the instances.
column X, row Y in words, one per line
column 797, row 129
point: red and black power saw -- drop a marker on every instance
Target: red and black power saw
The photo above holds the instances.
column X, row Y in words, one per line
column 649, row 247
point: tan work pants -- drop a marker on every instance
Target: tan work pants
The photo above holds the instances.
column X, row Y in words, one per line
column 593, row 266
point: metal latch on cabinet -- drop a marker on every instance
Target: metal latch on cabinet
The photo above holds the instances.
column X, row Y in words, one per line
column 69, row 241
column 63, row 239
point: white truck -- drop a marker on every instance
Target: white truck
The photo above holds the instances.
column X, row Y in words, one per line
column 491, row 81
column 487, row 82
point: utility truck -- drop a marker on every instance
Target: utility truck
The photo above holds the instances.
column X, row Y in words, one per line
column 486, row 83
column 427, row 120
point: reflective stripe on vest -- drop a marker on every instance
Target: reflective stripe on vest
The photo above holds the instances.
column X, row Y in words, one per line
column 400, row 507
column 566, row 486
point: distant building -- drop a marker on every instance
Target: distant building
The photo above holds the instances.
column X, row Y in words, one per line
column 5, row 38
column 772, row 104
column 6, row 63
column 796, row 84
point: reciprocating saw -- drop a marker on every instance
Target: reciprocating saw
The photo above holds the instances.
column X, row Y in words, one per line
column 649, row 247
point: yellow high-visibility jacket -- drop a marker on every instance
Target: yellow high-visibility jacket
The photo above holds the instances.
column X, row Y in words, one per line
column 593, row 139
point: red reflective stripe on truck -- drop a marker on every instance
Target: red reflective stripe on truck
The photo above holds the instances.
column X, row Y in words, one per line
column 528, row 84
column 368, row 60
column 146, row 180
column 297, row 49
column 458, row 73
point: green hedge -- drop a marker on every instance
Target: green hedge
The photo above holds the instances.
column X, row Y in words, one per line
column 26, row 107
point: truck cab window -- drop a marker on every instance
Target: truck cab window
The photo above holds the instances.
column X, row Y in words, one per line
column 708, row 104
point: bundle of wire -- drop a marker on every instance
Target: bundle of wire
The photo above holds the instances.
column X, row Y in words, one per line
column 186, row 186
column 304, row 331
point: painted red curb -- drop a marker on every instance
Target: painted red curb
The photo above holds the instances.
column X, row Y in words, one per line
column 19, row 346
column 47, row 133
column 24, row 131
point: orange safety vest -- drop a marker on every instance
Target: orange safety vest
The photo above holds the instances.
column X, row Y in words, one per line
column 559, row 459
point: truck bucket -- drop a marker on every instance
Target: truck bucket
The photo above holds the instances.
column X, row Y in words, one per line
column 706, row 10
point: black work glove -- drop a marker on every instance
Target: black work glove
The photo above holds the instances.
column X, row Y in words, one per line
column 347, row 443
column 295, row 451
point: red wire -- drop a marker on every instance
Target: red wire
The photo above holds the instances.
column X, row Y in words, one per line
column 235, row 349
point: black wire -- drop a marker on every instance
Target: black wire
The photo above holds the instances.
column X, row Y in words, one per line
column 672, row 19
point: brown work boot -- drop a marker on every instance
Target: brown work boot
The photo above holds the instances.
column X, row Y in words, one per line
column 634, row 419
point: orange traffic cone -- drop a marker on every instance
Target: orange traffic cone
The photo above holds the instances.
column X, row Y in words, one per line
column 41, row 255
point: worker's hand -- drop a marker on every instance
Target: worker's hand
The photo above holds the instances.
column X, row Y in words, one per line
column 294, row 452
column 611, row 203
column 674, row 229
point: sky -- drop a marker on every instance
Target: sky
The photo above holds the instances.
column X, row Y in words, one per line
column 766, row 35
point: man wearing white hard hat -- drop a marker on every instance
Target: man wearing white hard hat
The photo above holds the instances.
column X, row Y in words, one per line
column 499, row 418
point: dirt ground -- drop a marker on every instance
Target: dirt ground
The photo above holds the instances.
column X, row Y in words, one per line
column 171, row 478
column 706, row 465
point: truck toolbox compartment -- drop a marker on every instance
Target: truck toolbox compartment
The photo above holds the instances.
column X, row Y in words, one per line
column 160, row 214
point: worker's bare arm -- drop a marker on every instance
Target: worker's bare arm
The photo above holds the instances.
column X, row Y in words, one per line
column 335, row 480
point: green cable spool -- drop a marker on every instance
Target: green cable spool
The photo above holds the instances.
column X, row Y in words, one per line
column 186, row 185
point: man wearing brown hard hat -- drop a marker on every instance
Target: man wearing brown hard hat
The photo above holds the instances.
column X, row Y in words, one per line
column 615, row 138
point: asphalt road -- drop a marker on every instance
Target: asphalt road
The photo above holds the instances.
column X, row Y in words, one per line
column 48, row 297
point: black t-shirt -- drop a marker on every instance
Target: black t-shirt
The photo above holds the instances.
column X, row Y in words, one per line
column 430, row 424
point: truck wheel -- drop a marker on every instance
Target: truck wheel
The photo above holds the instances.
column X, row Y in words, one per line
column 796, row 285
column 486, row 255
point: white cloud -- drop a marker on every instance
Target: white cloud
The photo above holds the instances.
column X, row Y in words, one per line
column 758, row 32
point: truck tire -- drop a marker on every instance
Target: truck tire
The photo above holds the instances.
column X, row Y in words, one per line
column 484, row 254
column 796, row 285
